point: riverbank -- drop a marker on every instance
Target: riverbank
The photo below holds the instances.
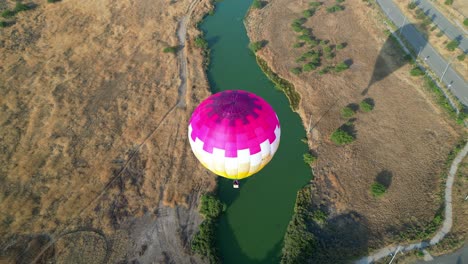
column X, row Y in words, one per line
column 403, row 142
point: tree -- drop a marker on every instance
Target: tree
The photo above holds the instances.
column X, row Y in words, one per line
column 200, row 42
column 308, row 12
column 309, row 158
column 378, row 189
column 256, row 46
column 366, row 106
column 347, row 112
column 257, row 4
column 412, row 5
column 342, row 137
column 341, row 67
column 296, row 70
column 309, row 67
column 452, row 45
column 211, row 207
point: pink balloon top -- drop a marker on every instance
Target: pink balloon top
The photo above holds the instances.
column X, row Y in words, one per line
column 233, row 120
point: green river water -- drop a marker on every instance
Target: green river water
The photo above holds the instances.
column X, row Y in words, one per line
column 253, row 227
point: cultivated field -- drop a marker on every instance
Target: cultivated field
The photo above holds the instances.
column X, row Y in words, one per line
column 94, row 162
column 402, row 143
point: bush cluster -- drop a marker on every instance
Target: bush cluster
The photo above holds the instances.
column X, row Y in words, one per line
column 342, row 137
column 204, row 241
column 452, row 45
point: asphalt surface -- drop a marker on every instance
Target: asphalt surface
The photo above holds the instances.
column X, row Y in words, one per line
column 451, row 30
column 458, row 257
column 451, row 78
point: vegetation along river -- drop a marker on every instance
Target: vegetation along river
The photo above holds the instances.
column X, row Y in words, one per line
column 253, row 227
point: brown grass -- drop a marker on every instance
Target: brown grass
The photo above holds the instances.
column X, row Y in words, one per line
column 406, row 134
column 89, row 130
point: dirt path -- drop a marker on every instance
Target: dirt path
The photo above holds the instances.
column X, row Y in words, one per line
column 182, row 55
column 446, row 226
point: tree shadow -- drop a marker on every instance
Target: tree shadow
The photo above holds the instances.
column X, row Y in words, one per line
column 353, row 106
column 342, row 239
column 385, row 178
column 391, row 57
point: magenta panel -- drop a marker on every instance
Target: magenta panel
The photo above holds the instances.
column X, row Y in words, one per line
column 233, row 120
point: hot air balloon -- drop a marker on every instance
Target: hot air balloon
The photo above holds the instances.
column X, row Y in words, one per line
column 234, row 134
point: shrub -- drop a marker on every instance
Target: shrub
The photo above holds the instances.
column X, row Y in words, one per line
column 204, row 241
column 440, row 34
column 342, row 137
column 412, row 5
column 19, row 7
column 309, row 158
column 296, row 70
column 298, row 44
column 257, row 4
column 465, row 22
column 309, row 54
column 378, row 189
column 172, row 49
column 452, row 45
column 256, row 46
column 211, row 207
column 308, row 12
column 8, row 13
column 309, row 67
column 299, row 241
column 335, row 8
column 305, row 38
column 201, row 43
column 340, row 46
column 339, row 1
column 297, row 27
column 301, row 59
column 327, row 49
column 366, row 106
column 53, row 1
column 461, row 57
column 341, row 67
column 315, row 4
column 448, row 2
column 329, row 56
column 3, row 24
column 324, row 70
column 416, row 71
column 347, row 112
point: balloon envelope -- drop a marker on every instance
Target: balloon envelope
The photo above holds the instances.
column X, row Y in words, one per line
column 234, row 133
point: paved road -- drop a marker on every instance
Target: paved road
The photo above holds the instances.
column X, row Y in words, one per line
column 458, row 257
column 451, row 30
column 455, row 82
column 446, row 226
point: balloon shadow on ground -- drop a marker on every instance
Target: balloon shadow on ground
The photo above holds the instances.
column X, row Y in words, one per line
column 391, row 57
column 341, row 239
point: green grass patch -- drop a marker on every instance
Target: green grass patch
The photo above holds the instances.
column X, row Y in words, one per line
column 465, row 22
column 20, row 7
column 282, row 84
column 461, row 57
column 298, row 45
column 448, row 2
column 308, row 12
column 315, row 4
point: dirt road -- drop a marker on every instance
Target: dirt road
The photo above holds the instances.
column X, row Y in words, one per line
column 446, row 226
column 182, row 55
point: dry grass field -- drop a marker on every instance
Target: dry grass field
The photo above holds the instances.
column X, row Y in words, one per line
column 93, row 151
column 404, row 141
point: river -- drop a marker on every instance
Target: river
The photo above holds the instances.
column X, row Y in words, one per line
column 253, row 227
